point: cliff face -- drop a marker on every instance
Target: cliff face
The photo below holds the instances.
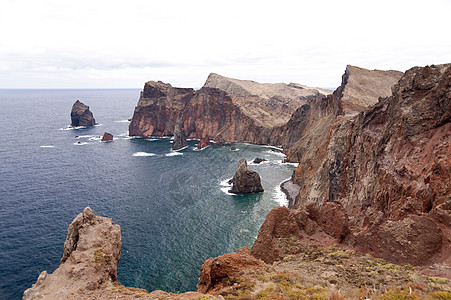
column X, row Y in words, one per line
column 225, row 109
column 389, row 167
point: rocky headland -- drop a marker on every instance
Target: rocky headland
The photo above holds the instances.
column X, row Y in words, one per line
column 370, row 210
column 224, row 109
column 81, row 115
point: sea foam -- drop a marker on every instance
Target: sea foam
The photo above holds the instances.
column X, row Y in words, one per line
column 143, row 154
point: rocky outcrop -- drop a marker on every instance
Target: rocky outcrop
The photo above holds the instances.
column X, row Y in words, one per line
column 107, row 137
column 258, row 160
column 388, row 167
column 225, row 109
column 88, row 268
column 91, row 254
column 245, row 181
column 81, row 115
column 224, row 271
column 179, row 136
column 203, row 142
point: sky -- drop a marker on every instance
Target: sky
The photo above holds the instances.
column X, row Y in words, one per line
column 123, row 44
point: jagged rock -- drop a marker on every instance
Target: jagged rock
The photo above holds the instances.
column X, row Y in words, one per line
column 81, row 115
column 179, row 136
column 91, row 254
column 334, row 220
column 384, row 165
column 203, row 142
column 225, row 270
column 259, row 160
column 107, row 137
column 233, row 148
column 225, row 109
column 245, row 180
column 88, row 266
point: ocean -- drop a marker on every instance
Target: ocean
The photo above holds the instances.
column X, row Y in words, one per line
column 173, row 207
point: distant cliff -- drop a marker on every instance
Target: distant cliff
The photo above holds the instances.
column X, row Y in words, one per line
column 224, row 109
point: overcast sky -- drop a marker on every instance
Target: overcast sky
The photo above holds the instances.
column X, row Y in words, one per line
column 122, row 44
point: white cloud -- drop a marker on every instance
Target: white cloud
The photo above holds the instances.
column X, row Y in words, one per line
column 60, row 43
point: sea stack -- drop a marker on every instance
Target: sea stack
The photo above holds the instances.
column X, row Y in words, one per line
column 203, row 143
column 179, row 135
column 107, row 137
column 245, row 181
column 81, row 115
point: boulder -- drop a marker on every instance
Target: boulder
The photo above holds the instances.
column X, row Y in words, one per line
column 107, row 137
column 81, row 115
column 245, row 180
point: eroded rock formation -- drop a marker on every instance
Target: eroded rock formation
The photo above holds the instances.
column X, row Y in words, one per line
column 225, row 109
column 81, row 115
column 88, row 268
column 245, row 181
column 179, row 135
column 203, row 142
column 107, row 137
column 388, row 167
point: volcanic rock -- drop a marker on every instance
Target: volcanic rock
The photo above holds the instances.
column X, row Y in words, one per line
column 225, row 109
column 384, row 166
column 203, row 142
column 245, row 180
column 259, row 160
column 91, row 254
column 179, row 136
column 225, row 270
column 107, row 137
column 81, row 115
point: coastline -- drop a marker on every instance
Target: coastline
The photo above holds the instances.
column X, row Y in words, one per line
column 290, row 190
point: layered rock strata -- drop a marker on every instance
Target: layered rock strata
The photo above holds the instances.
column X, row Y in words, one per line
column 81, row 115
column 388, row 168
column 245, row 181
column 225, row 109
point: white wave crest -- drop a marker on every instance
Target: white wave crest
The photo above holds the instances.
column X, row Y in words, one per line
column 80, row 143
column 143, row 154
column 280, row 196
column 173, row 153
column 122, row 121
column 45, row 146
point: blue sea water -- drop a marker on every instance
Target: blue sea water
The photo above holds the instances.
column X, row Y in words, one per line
column 173, row 207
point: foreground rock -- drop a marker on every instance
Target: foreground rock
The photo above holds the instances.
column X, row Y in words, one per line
column 225, row 109
column 81, row 115
column 245, row 180
column 179, row 136
column 88, row 268
column 107, row 137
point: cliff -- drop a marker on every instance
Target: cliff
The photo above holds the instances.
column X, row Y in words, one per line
column 224, row 109
column 389, row 168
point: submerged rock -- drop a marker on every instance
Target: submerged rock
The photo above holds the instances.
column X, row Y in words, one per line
column 245, row 180
column 81, row 115
column 179, row 136
column 107, row 137
column 259, row 160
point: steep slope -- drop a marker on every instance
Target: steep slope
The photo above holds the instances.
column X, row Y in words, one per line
column 389, row 167
column 225, row 109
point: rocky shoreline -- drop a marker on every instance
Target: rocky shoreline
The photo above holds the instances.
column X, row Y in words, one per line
column 291, row 190
column 368, row 202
